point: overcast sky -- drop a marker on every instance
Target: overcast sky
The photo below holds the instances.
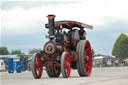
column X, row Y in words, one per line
column 23, row 22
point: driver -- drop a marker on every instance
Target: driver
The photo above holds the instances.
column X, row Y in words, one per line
column 82, row 33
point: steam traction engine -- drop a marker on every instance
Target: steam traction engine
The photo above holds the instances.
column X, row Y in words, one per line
column 63, row 51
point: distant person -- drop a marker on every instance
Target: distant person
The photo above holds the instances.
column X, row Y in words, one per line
column 82, row 33
column 25, row 63
column 116, row 63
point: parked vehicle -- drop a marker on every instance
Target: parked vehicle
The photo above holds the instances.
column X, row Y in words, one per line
column 2, row 65
column 126, row 62
column 104, row 61
column 98, row 61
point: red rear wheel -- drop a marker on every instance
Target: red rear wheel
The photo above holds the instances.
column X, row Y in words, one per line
column 53, row 71
column 88, row 58
column 37, row 66
column 65, row 64
column 84, row 63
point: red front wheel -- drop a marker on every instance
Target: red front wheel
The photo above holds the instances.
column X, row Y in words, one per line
column 37, row 66
column 65, row 64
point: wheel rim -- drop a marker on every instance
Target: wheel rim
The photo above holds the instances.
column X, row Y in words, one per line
column 67, row 65
column 88, row 58
column 57, row 70
column 38, row 65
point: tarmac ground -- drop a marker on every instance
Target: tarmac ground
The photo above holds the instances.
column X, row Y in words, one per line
column 99, row 76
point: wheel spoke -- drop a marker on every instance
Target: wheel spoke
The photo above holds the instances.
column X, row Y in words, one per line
column 56, row 70
column 87, row 67
column 65, row 62
column 36, row 65
column 68, row 69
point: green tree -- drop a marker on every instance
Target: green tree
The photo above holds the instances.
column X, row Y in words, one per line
column 32, row 51
column 4, row 51
column 120, row 49
column 93, row 52
column 16, row 52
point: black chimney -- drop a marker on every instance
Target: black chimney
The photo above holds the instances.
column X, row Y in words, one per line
column 51, row 25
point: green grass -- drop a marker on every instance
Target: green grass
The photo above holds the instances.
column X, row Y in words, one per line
column 3, row 70
column 121, row 65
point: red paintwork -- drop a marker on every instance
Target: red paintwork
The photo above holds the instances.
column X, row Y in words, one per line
column 67, row 64
column 38, row 65
column 88, row 63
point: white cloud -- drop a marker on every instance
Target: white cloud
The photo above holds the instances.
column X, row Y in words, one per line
column 21, row 21
column 95, row 12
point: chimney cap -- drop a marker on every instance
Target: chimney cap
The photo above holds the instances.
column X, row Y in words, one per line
column 51, row 16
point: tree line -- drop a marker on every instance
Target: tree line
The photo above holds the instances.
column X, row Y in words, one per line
column 4, row 51
column 120, row 48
